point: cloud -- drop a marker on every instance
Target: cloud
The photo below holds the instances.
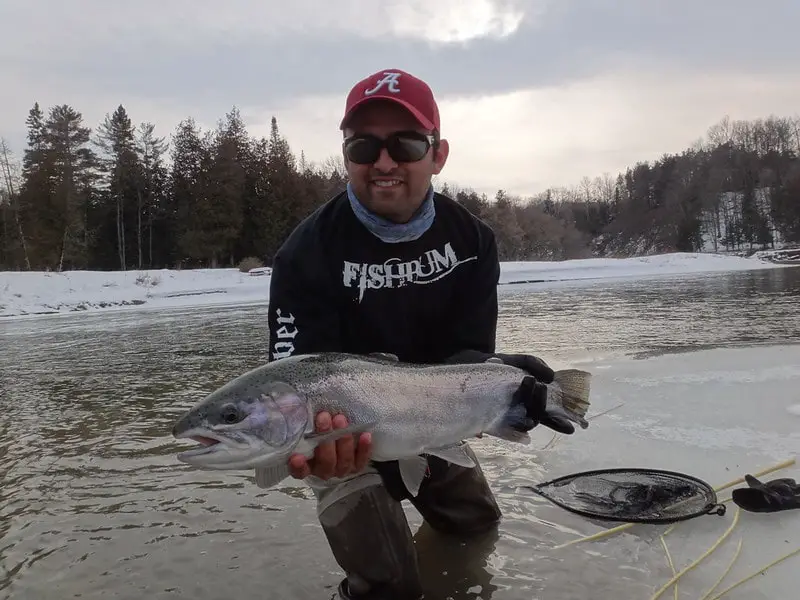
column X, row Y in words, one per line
column 533, row 93
column 265, row 51
column 528, row 140
column 191, row 22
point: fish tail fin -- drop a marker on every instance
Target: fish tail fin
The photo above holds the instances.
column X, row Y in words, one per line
column 567, row 399
column 570, row 389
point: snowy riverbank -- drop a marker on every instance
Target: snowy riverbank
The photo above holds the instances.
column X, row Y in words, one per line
column 35, row 293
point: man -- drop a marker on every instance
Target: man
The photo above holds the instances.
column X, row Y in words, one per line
column 390, row 266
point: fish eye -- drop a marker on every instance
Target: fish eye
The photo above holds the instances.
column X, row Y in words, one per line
column 230, row 414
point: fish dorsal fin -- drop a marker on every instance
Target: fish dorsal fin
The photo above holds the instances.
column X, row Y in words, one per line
column 386, row 356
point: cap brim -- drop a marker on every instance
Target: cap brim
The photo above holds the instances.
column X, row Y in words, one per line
column 424, row 121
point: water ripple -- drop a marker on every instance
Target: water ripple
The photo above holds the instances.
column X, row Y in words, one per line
column 93, row 503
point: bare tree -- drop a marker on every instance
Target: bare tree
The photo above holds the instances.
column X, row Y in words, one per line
column 10, row 175
column 334, row 166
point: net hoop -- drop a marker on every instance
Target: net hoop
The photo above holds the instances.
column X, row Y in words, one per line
column 702, row 502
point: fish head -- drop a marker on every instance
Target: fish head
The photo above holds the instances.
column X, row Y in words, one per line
column 244, row 426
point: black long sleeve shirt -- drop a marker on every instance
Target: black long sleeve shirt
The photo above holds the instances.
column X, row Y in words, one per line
column 337, row 287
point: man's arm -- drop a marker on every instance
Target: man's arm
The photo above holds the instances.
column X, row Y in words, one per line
column 474, row 324
column 302, row 313
column 303, row 318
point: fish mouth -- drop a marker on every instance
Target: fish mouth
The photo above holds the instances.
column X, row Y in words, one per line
column 220, row 450
column 204, row 440
column 209, row 442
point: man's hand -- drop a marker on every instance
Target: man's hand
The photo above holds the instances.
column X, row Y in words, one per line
column 532, row 364
column 527, row 362
column 333, row 459
column 532, row 395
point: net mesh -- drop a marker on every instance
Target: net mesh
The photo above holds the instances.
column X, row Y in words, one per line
column 632, row 495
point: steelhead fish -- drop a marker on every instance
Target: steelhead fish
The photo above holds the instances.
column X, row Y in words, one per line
column 257, row 420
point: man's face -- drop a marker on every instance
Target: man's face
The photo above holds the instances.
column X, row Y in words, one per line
column 393, row 190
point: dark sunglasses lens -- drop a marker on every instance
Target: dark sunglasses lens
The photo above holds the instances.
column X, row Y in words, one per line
column 407, row 149
column 366, row 150
column 363, row 151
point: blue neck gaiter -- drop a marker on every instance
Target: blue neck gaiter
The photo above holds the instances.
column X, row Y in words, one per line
column 394, row 233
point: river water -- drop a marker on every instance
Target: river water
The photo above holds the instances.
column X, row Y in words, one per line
column 93, row 503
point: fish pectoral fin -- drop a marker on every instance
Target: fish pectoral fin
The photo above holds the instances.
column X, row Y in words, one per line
column 510, row 434
column 412, row 472
column 453, row 454
column 266, row 477
column 320, row 438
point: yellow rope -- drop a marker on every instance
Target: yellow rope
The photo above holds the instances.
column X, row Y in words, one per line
column 702, row 557
column 550, row 443
column 613, row 530
column 670, row 528
column 557, row 438
column 730, row 566
column 759, row 572
column 671, row 564
column 605, row 412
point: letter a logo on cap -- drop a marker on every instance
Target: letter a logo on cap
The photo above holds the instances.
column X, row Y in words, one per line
column 415, row 95
column 390, row 79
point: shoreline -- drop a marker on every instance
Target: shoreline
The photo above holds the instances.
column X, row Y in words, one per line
column 38, row 294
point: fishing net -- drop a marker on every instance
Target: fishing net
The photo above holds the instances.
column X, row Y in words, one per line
column 632, row 495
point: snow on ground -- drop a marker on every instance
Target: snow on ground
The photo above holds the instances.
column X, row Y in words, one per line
column 42, row 293
column 23, row 293
column 678, row 263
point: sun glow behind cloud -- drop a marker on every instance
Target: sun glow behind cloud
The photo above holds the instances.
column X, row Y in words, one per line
column 452, row 21
column 442, row 21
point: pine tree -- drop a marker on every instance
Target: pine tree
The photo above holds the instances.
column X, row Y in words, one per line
column 123, row 180
column 65, row 182
column 152, row 193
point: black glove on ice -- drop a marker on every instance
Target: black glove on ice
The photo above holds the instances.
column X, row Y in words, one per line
column 773, row 496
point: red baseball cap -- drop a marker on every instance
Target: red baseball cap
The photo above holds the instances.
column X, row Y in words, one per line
column 398, row 86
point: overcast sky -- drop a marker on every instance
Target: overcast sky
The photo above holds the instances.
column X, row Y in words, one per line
column 532, row 93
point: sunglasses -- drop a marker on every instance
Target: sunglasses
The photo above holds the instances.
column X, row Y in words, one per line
column 403, row 147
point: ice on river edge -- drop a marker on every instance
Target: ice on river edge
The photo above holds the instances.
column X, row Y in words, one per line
column 40, row 293
column 714, row 414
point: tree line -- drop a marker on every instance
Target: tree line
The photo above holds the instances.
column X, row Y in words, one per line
column 122, row 197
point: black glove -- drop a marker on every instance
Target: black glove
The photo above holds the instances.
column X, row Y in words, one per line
column 532, row 364
column 532, row 393
column 772, row 496
column 527, row 362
